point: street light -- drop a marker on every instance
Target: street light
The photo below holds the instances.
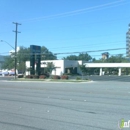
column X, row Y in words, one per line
column 7, row 43
column 15, row 55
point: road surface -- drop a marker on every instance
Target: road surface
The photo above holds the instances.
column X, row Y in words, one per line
column 63, row 106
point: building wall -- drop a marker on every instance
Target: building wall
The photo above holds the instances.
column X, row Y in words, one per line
column 60, row 65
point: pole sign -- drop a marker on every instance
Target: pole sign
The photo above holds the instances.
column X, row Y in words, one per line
column 35, row 58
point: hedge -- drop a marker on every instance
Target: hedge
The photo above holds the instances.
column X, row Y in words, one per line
column 42, row 76
column 64, row 77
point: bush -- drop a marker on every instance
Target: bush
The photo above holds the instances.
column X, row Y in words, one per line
column 55, row 77
column 42, row 76
column 45, row 74
column 78, row 78
column 35, row 77
column 20, row 76
column 29, row 76
column 64, row 77
column 72, row 74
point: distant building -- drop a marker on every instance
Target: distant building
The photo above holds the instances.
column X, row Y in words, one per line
column 105, row 55
column 13, row 51
column 128, row 42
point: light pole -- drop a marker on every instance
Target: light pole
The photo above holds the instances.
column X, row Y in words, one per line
column 15, row 54
column 7, row 43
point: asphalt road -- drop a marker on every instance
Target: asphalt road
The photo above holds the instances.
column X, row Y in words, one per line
column 6, row 77
column 123, row 78
column 63, row 106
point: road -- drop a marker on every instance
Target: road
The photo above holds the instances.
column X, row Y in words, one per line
column 6, row 77
column 123, row 78
column 63, row 106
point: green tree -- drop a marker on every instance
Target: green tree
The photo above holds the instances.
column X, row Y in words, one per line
column 71, row 57
column 84, row 56
column 46, row 54
column 81, row 56
column 114, row 59
column 23, row 55
column 9, row 63
column 50, row 66
column 83, row 68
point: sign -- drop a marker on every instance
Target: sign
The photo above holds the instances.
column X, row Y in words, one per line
column 35, row 49
column 35, row 58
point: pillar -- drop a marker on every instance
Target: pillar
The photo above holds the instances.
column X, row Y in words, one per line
column 119, row 72
column 100, row 72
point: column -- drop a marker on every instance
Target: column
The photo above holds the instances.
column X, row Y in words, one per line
column 100, row 72
column 119, row 72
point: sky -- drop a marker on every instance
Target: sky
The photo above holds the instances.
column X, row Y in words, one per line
column 66, row 26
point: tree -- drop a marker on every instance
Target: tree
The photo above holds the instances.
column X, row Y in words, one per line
column 9, row 63
column 81, row 56
column 114, row 59
column 71, row 57
column 46, row 54
column 23, row 55
column 82, row 68
column 84, row 56
column 50, row 66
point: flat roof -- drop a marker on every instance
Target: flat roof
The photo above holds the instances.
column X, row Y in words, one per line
column 107, row 65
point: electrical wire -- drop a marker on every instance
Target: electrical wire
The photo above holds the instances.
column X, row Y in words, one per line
column 77, row 12
column 73, row 52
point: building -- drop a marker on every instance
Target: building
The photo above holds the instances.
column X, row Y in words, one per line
column 61, row 66
column 105, row 55
column 107, row 65
column 13, row 51
column 128, row 42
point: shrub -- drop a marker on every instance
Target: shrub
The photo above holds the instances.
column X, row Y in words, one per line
column 55, row 77
column 78, row 78
column 29, row 76
column 64, row 77
column 72, row 74
column 20, row 76
column 35, row 77
column 42, row 76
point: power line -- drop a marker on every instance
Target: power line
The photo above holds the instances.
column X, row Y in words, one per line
column 87, row 45
column 89, row 51
column 71, row 39
column 79, row 11
column 23, row 53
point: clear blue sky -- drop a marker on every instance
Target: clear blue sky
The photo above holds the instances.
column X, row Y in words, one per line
column 66, row 25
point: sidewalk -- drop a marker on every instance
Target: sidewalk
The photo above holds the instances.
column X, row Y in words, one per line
column 49, row 80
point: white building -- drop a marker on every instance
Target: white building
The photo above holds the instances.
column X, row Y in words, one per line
column 13, row 51
column 107, row 65
column 61, row 66
column 71, row 66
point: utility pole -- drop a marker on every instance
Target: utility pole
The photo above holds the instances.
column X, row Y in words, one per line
column 16, row 32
